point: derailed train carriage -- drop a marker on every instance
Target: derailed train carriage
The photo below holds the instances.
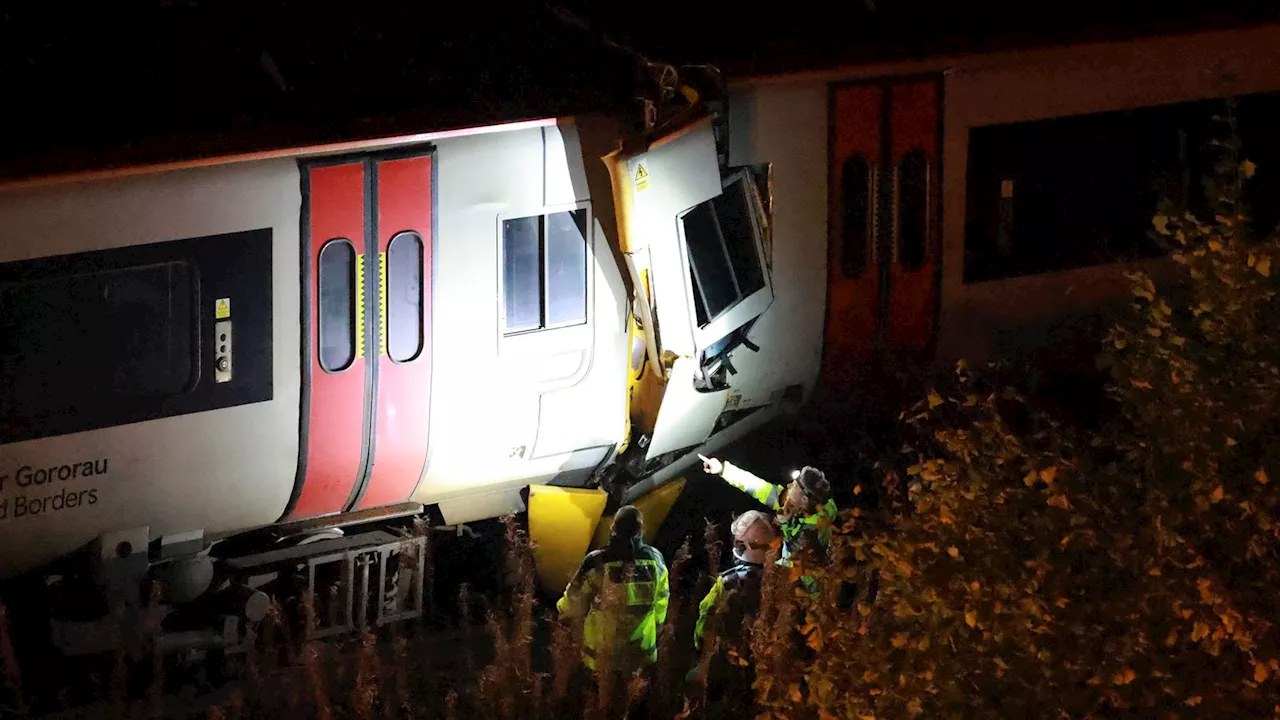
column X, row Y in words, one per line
column 230, row 379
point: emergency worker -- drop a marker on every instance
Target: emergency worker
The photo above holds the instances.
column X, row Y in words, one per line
column 805, row 510
column 738, row 588
column 622, row 591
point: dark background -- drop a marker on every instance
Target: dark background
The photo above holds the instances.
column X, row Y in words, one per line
column 102, row 84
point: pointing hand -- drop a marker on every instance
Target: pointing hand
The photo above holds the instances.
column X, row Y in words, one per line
column 711, row 466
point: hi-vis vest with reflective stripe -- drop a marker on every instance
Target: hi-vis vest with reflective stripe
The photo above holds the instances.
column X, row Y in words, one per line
column 624, row 592
column 742, row 579
column 793, row 528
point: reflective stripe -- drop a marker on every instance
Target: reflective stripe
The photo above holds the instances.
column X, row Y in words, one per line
column 761, row 491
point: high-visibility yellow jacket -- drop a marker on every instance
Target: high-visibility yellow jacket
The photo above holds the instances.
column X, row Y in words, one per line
column 795, row 529
column 738, row 588
column 623, row 591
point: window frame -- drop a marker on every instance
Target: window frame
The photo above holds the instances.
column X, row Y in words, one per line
column 422, row 295
column 355, row 300
column 544, row 214
column 745, row 308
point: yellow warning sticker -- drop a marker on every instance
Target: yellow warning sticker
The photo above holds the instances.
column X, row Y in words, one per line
column 642, row 177
column 222, row 308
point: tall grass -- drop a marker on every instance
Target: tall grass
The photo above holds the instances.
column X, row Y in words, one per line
column 496, row 658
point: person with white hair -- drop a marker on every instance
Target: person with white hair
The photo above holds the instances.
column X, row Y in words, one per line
column 738, row 588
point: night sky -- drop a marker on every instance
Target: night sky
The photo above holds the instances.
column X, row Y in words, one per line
column 107, row 83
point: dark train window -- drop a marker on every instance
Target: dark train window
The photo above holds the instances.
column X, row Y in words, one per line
column 855, row 208
column 337, row 310
column 724, row 258
column 913, row 209
column 72, row 341
column 544, row 271
column 404, row 296
column 1070, row 192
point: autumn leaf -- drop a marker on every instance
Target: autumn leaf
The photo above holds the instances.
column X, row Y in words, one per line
column 954, row 552
column 1247, row 168
column 1161, row 224
column 1259, row 672
column 1059, row 501
column 914, row 707
column 1261, row 476
column 1264, row 266
column 1217, row 495
column 900, row 640
column 794, row 692
column 971, row 618
column 1049, row 473
column 934, row 399
column 1124, row 677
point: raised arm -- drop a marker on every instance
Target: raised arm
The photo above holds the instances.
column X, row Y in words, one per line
column 760, row 490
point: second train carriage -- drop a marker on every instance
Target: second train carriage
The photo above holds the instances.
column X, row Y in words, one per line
column 983, row 204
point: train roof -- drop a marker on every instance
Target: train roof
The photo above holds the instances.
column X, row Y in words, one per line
column 807, row 37
column 121, row 85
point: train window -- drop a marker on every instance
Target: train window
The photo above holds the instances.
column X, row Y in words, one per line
column 855, row 206
column 1070, row 192
column 913, row 209
column 337, row 309
column 544, row 271
column 724, row 253
column 404, row 296
column 69, row 342
column 566, row 268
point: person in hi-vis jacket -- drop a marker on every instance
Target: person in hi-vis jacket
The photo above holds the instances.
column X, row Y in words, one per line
column 804, row 508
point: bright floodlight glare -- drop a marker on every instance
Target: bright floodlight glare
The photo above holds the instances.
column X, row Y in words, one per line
column 795, row 474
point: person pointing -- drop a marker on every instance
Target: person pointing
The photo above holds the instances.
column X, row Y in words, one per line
column 804, row 508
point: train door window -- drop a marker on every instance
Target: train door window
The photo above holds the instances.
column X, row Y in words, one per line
column 72, row 341
column 913, row 209
column 724, row 246
column 404, row 296
column 855, row 207
column 544, row 271
column 337, row 309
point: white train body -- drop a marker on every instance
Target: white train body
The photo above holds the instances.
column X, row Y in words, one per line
column 461, row 404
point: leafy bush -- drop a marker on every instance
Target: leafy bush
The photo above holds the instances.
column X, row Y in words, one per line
column 1040, row 570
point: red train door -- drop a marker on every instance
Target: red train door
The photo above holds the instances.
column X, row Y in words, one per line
column 883, row 249
column 367, row 260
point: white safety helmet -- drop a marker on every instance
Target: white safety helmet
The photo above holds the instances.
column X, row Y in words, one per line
column 753, row 532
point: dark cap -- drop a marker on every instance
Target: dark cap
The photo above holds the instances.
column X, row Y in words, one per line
column 814, row 484
column 627, row 522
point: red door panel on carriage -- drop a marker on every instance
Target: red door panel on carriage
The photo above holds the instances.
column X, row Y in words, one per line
column 883, row 268
column 853, row 282
column 404, row 222
column 336, row 375
column 367, row 258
